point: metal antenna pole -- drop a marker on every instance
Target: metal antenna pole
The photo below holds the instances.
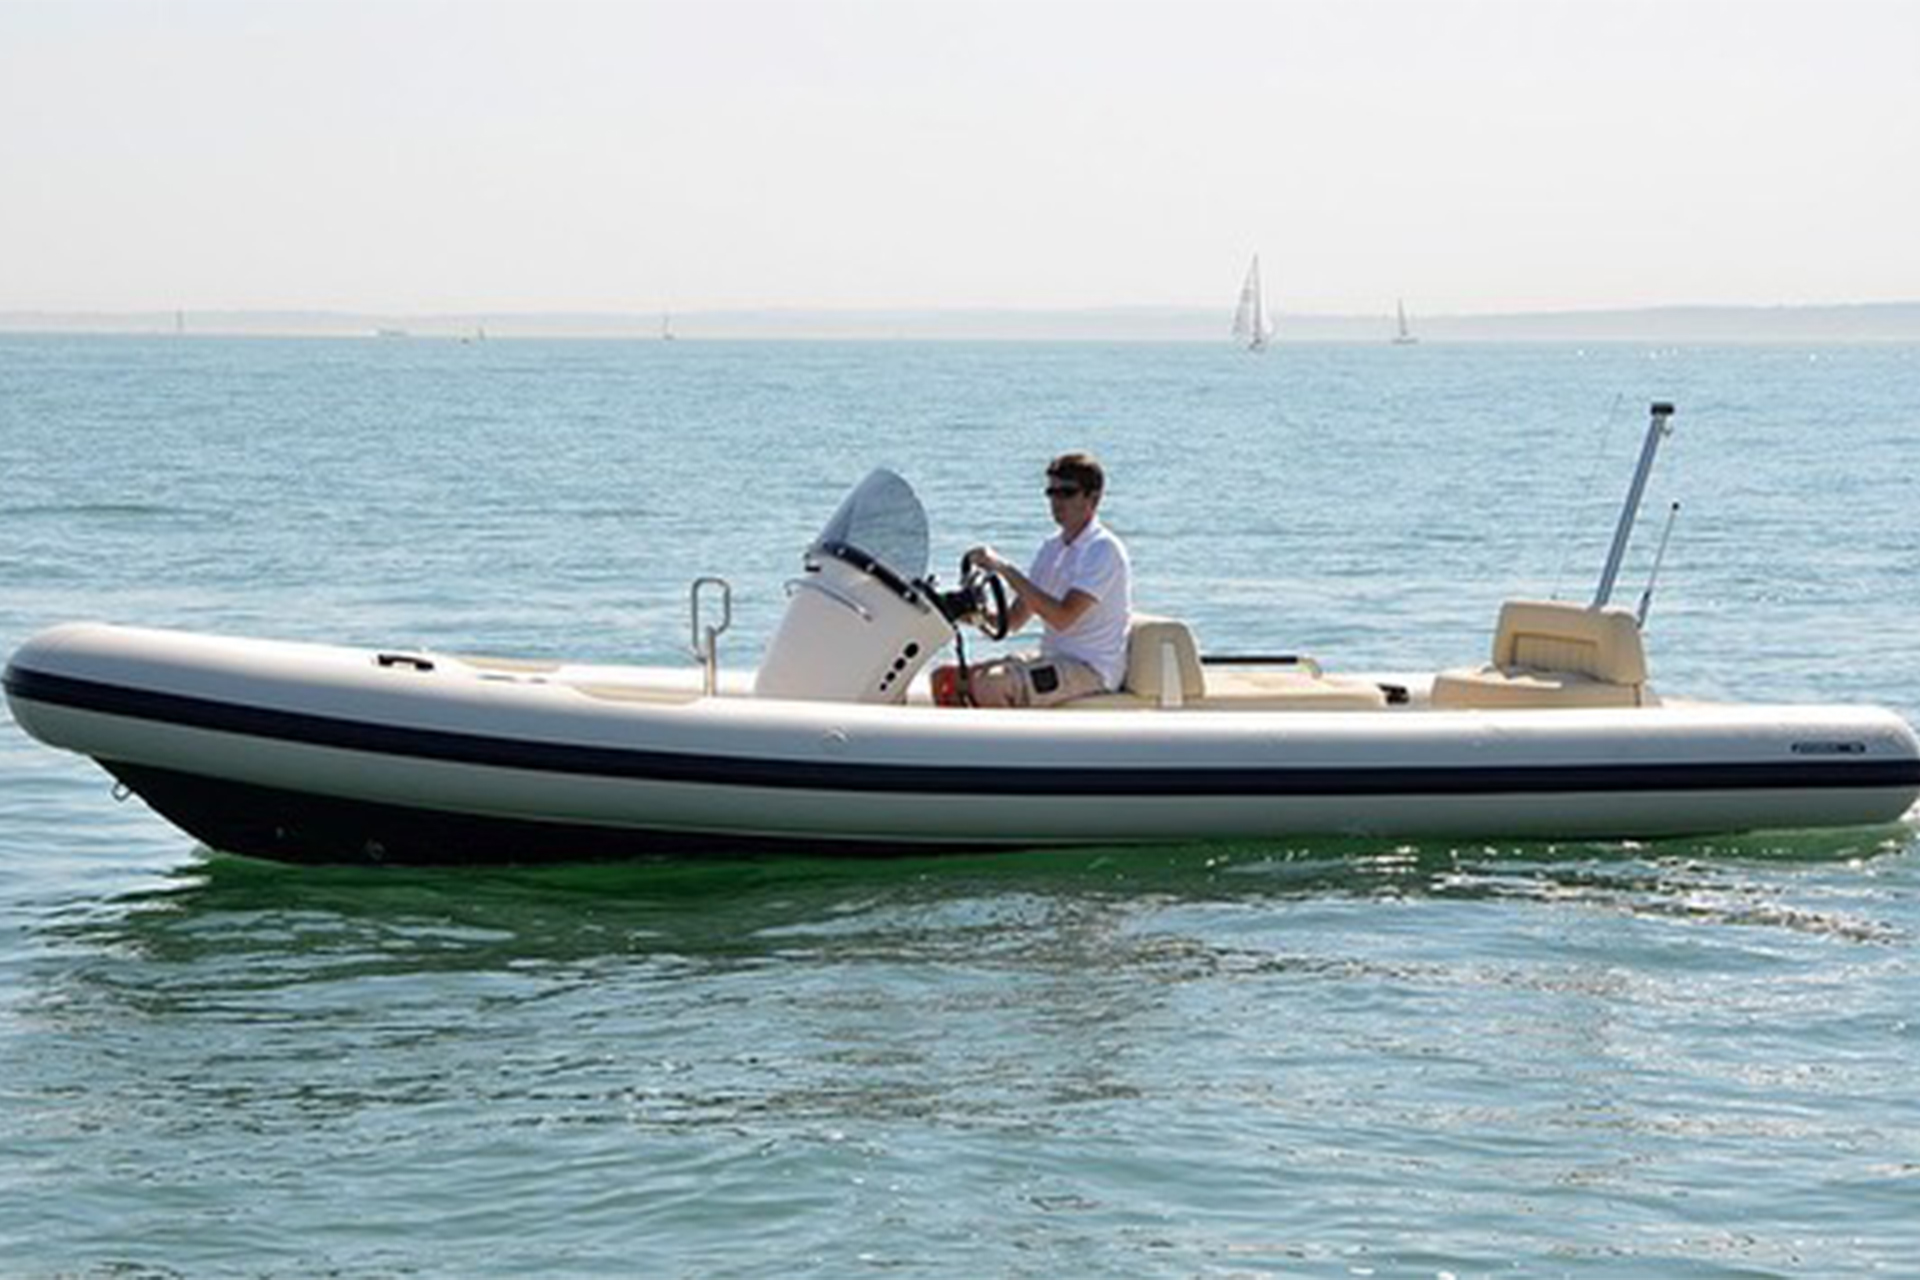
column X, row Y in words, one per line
column 1657, row 429
column 1659, row 558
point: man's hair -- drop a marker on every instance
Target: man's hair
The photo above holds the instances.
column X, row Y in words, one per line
column 1082, row 469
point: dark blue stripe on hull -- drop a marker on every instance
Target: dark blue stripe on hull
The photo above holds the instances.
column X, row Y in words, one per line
column 1798, row 773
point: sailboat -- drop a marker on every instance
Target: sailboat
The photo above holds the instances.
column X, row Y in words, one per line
column 1251, row 328
column 1403, row 337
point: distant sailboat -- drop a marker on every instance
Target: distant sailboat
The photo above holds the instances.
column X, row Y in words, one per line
column 1251, row 328
column 666, row 326
column 1403, row 337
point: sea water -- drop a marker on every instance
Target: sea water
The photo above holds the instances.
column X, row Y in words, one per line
column 1305, row 1057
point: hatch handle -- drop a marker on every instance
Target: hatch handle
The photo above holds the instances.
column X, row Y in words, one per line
column 832, row 593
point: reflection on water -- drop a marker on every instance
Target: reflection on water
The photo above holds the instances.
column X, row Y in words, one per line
column 1074, row 908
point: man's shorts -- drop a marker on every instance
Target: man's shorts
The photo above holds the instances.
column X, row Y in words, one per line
column 1032, row 680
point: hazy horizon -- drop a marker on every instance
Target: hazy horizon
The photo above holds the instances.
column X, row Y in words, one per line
column 432, row 157
column 1869, row 322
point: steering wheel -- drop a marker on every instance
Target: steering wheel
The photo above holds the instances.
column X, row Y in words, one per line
column 986, row 592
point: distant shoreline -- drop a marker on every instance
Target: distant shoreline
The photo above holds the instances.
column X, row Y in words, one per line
column 1861, row 322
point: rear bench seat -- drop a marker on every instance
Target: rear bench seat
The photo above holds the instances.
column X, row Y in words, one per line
column 1549, row 653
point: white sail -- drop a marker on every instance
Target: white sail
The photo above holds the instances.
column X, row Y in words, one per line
column 1405, row 336
column 1250, row 324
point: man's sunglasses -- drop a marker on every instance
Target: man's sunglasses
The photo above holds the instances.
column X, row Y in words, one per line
column 1063, row 491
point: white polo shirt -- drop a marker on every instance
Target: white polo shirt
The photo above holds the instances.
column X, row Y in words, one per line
column 1096, row 563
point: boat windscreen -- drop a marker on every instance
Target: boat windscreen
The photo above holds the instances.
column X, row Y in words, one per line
column 884, row 519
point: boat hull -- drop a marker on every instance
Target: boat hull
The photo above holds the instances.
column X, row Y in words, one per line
column 320, row 753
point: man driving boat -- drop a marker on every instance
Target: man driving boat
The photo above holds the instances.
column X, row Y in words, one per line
column 1080, row 586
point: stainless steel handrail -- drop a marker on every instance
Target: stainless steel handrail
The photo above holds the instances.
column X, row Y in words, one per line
column 706, row 641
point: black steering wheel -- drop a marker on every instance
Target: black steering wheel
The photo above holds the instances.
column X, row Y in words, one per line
column 986, row 593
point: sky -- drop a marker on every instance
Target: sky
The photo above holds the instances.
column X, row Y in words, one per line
column 1470, row 156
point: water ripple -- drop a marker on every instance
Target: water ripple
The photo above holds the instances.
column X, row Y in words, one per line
column 1327, row 1058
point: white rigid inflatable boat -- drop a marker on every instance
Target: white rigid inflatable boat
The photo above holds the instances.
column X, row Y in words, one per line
column 833, row 747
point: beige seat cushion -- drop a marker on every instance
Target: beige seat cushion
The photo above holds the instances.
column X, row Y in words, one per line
column 1257, row 689
column 1284, row 691
column 1121, row 701
column 1487, row 688
column 1553, row 635
column 1221, row 688
column 1549, row 653
column 1224, row 688
column 1147, row 636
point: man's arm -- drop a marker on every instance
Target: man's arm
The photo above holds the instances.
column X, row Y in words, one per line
column 1056, row 612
